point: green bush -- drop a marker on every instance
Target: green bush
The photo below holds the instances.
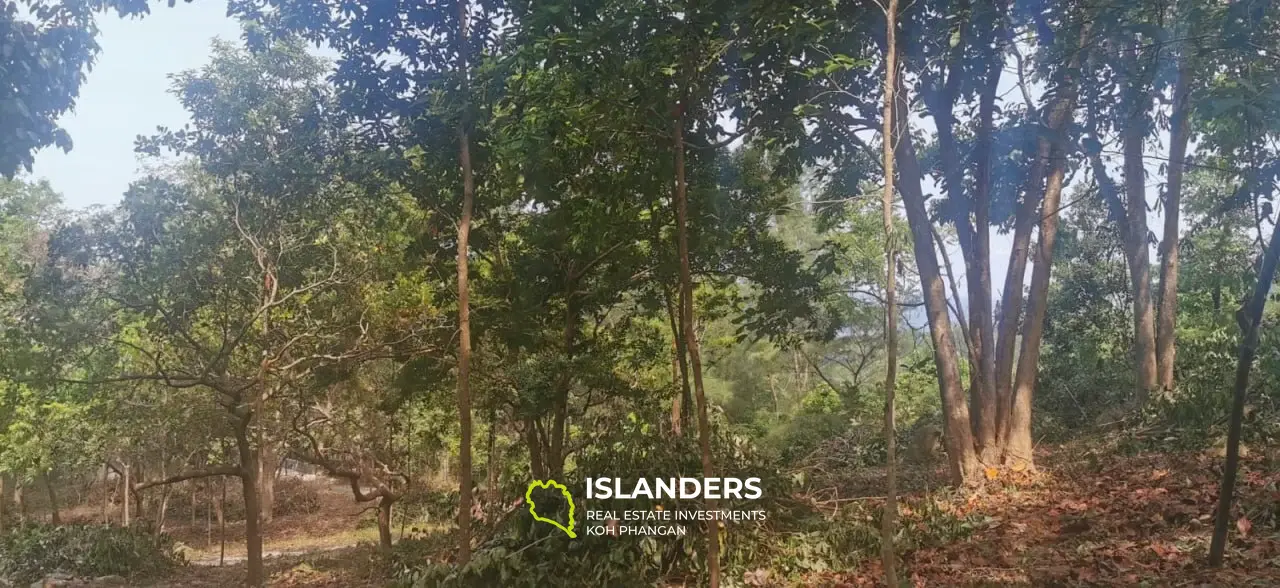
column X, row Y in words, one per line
column 31, row 552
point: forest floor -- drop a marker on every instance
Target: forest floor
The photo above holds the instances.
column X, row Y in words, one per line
column 1091, row 516
column 330, row 546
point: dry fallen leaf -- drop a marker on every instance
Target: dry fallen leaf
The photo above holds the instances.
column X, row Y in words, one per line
column 1244, row 525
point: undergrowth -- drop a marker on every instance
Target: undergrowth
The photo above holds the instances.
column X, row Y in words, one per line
column 31, row 552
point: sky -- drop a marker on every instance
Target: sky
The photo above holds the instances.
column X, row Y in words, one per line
column 126, row 95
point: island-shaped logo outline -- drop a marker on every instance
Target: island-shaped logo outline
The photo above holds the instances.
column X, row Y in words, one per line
column 528, row 498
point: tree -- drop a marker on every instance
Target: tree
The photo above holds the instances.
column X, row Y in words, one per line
column 48, row 49
column 890, row 303
column 270, row 199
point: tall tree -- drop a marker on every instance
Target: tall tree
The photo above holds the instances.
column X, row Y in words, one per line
column 890, row 301
column 464, row 302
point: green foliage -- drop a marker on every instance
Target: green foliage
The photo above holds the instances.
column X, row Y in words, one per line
column 30, row 552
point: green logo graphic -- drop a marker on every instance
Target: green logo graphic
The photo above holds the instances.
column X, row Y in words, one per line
column 528, row 497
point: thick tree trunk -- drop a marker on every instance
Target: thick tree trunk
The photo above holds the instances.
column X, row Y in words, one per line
column 268, row 464
column 1179, row 134
column 464, row 310
column 249, row 468
column 959, row 437
column 691, row 341
column 1249, row 318
column 888, row 520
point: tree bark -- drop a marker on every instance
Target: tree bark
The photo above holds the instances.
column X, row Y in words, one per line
column 888, row 521
column 1179, row 134
column 491, row 484
column 248, row 473
column 222, row 525
column 384, row 523
column 126, row 494
column 53, row 499
column 268, row 464
column 536, row 466
column 559, row 429
column 1136, row 251
column 106, row 494
column 4, row 500
column 1015, row 405
column 1011, row 298
column 1019, row 448
column 682, row 404
column 959, row 437
column 464, row 308
column 978, row 273
column 1249, row 317
column 691, row 340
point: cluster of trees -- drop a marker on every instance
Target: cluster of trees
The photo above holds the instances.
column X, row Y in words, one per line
column 643, row 202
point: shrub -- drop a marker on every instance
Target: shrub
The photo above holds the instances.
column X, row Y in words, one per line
column 296, row 497
column 32, row 552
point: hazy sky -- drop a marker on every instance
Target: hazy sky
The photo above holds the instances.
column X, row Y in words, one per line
column 126, row 95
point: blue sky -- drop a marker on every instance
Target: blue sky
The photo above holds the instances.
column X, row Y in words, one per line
column 126, row 95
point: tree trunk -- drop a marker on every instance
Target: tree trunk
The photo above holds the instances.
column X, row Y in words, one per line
column 208, row 516
column 978, row 272
column 4, row 499
column 682, row 404
column 1249, row 318
column 53, row 499
column 536, row 467
column 1139, row 259
column 222, row 524
column 164, row 509
column 195, row 501
column 268, row 464
column 106, row 494
column 959, row 437
column 249, row 468
column 1011, row 298
column 384, row 524
column 1020, row 447
column 127, row 494
column 491, row 484
column 888, row 520
column 560, row 424
column 20, row 502
column 464, row 306
column 691, row 341
column 1179, row 134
